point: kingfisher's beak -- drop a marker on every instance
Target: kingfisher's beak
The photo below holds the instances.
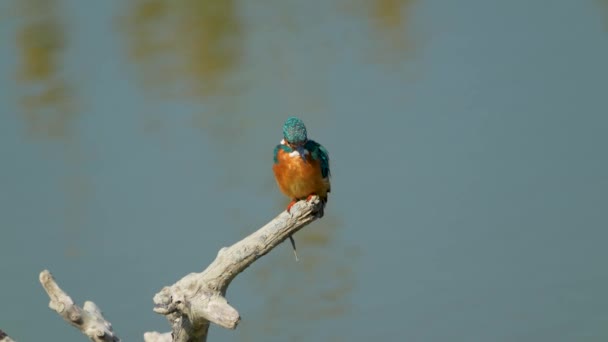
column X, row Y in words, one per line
column 300, row 149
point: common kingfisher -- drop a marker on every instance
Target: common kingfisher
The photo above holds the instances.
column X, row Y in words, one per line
column 301, row 166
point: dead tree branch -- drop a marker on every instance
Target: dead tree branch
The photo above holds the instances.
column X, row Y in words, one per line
column 5, row 338
column 197, row 299
column 88, row 319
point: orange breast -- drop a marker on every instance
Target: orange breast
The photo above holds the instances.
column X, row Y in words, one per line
column 298, row 178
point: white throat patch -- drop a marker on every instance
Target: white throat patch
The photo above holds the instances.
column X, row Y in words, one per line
column 295, row 153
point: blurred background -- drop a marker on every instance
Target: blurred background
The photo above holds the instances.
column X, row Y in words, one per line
column 468, row 152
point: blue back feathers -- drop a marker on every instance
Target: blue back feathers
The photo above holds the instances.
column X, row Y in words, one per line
column 318, row 152
column 281, row 147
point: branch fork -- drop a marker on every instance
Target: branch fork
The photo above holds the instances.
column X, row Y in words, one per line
column 198, row 299
column 88, row 319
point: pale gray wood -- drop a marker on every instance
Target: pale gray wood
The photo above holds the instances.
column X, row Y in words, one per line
column 88, row 319
column 5, row 338
column 196, row 300
column 157, row 337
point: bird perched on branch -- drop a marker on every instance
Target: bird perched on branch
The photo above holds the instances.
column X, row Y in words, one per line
column 301, row 166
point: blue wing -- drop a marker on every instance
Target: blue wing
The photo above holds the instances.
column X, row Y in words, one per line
column 280, row 147
column 318, row 152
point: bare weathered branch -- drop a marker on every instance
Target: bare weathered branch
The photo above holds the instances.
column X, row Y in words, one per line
column 157, row 337
column 5, row 338
column 198, row 298
column 88, row 319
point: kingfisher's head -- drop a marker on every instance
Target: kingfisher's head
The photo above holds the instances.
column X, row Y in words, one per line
column 294, row 132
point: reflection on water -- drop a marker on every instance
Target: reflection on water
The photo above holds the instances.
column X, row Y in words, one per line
column 388, row 13
column 47, row 100
column 188, row 49
column 46, row 104
column 184, row 47
column 388, row 19
column 316, row 288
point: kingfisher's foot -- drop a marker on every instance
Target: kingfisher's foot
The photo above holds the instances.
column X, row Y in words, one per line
column 291, row 205
column 321, row 211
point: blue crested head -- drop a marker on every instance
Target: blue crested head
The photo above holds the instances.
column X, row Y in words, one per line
column 294, row 131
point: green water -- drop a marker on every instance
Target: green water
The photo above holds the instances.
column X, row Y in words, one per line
column 467, row 143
